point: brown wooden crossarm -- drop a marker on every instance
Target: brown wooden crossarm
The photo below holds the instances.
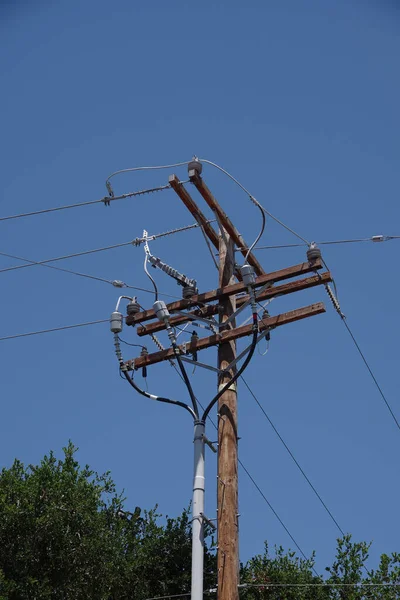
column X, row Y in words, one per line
column 231, row 334
column 212, row 309
column 224, row 220
column 236, row 288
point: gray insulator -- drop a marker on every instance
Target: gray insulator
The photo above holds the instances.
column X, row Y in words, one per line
column 161, row 310
column 116, row 322
column 132, row 308
column 248, row 275
column 188, row 292
column 195, row 165
column 313, row 253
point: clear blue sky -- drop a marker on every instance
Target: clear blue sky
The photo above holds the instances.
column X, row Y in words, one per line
column 300, row 101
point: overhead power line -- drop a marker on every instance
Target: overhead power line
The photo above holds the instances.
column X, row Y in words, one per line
column 383, row 396
column 40, row 332
column 106, row 201
column 293, row 457
column 136, row 242
column 374, row 238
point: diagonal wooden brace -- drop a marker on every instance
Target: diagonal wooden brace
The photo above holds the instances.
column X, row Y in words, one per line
column 224, row 220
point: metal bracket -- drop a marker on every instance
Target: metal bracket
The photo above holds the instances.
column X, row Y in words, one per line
column 199, row 364
column 245, row 305
column 233, row 363
column 212, row 323
column 209, row 444
column 208, row 521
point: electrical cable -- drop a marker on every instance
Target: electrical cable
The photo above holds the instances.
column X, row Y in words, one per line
column 151, row 278
column 43, row 264
column 292, row 456
column 375, row 239
column 275, row 513
column 20, row 335
column 154, row 168
column 58, row 258
column 371, row 372
column 186, row 379
column 104, row 201
column 252, row 198
column 343, row 318
column 240, row 371
column 158, row 398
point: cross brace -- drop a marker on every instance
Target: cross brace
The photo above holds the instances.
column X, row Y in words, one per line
column 228, row 336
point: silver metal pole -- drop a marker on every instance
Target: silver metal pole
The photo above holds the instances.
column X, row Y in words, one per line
column 197, row 513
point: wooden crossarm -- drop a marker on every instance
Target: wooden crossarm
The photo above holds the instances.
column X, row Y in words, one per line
column 229, row 335
column 229, row 290
column 212, row 309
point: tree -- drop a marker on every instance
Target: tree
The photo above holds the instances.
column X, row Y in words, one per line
column 65, row 535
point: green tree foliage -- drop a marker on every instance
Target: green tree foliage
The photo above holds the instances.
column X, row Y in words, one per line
column 349, row 577
column 65, row 534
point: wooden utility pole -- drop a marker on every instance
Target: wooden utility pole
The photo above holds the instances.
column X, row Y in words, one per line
column 228, row 535
column 224, row 300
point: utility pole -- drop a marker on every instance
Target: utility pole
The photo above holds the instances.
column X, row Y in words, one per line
column 227, row 491
column 253, row 285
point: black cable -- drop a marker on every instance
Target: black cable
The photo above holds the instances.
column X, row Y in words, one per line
column 240, row 371
column 276, row 514
column 293, row 457
column 371, row 372
column 186, row 379
column 158, row 398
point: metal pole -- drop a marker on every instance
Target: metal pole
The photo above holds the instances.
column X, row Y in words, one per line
column 197, row 513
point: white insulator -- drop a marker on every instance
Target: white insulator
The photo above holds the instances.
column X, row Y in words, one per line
column 116, row 322
column 248, row 275
column 161, row 310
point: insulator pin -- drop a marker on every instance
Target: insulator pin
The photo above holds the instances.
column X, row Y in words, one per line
column 133, row 307
column 195, row 165
column 189, row 291
column 313, row 253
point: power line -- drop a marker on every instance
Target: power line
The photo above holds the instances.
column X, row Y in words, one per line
column 106, row 201
column 136, row 242
column 58, row 258
column 20, row 335
column 293, row 457
column 374, row 239
column 275, row 513
column 115, row 283
column 371, row 372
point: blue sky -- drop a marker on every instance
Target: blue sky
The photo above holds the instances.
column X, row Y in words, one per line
column 299, row 100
